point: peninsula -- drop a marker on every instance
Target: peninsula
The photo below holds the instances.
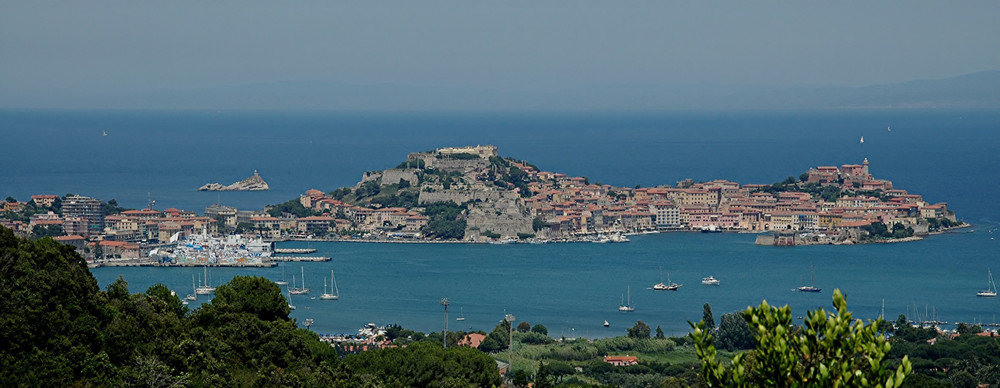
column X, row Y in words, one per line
column 253, row 183
column 475, row 195
column 472, row 194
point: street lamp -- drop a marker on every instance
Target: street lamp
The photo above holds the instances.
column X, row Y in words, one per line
column 444, row 336
column 510, row 344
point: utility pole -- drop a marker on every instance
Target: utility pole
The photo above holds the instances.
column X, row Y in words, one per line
column 444, row 336
column 510, row 344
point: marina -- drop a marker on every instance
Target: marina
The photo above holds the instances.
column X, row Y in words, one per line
column 574, row 285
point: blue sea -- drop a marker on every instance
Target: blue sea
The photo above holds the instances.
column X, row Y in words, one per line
column 947, row 156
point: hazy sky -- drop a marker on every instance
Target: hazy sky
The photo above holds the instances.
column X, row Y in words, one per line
column 83, row 46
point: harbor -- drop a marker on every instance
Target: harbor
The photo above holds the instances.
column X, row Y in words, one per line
column 581, row 285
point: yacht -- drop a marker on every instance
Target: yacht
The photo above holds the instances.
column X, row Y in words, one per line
column 991, row 291
column 301, row 290
column 710, row 280
column 205, row 289
column 626, row 307
column 606, row 324
column 329, row 296
column 811, row 287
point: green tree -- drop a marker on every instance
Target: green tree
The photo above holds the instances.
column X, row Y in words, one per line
column 542, row 376
column 640, row 330
column 831, row 350
column 734, row 333
column 540, row 329
column 49, row 315
column 706, row 316
column 659, row 333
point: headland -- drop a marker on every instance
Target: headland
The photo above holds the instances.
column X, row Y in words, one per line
column 474, row 195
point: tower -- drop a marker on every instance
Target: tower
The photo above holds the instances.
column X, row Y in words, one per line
column 864, row 168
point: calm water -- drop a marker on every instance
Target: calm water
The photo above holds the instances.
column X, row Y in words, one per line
column 571, row 288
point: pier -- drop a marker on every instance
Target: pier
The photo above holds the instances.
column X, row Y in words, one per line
column 295, row 250
column 266, row 264
column 300, row 258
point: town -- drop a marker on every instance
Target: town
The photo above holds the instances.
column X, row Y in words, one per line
column 471, row 194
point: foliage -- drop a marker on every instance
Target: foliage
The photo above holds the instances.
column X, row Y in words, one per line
column 48, row 315
column 490, row 234
column 831, row 350
column 445, row 221
column 524, row 327
column 538, row 223
column 879, row 231
column 540, row 329
column 424, row 364
column 707, row 317
column 462, row 156
column 40, row 231
column 59, row 329
column 340, row 193
column 293, row 207
column 111, row 207
column 734, row 333
column 639, row 330
column 402, row 198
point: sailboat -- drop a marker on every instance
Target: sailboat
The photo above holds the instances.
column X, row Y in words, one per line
column 812, row 287
column 205, row 289
column 194, row 289
column 301, row 290
column 282, row 282
column 660, row 286
column 461, row 317
column 290, row 305
column 991, row 291
column 627, row 307
column 329, row 296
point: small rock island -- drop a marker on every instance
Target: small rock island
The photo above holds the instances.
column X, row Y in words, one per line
column 253, row 183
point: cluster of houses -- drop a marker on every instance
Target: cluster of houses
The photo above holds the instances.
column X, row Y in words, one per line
column 570, row 205
column 566, row 206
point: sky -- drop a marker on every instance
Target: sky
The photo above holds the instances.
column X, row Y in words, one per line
column 83, row 48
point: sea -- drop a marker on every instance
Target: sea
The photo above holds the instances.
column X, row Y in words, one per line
column 137, row 157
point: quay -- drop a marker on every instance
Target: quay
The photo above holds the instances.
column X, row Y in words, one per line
column 300, row 258
column 295, row 250
column 266, row 264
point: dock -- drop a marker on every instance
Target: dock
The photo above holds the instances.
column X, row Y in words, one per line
column 267, row 264
column 300, row 258
column 295, row 250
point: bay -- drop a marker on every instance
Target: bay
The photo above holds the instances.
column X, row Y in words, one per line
column 571, row 288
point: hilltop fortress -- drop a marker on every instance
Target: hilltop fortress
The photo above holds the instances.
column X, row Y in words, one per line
column 506, row 199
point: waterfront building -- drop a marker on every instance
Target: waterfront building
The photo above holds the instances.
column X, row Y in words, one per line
column 90, row 210
column 225, row 214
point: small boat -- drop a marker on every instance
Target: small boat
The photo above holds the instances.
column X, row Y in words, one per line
column 627, row 307
column 282, row 282
column 290, row 305
column 710, row 280
column 711, row 229
column 991, row 291
column 812, row 287
column 461, row 317
column 329, row 296
column 666, row 287
column 194, row 288
column 606, row 324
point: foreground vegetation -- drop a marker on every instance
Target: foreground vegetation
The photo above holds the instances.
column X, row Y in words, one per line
column 59, row 329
